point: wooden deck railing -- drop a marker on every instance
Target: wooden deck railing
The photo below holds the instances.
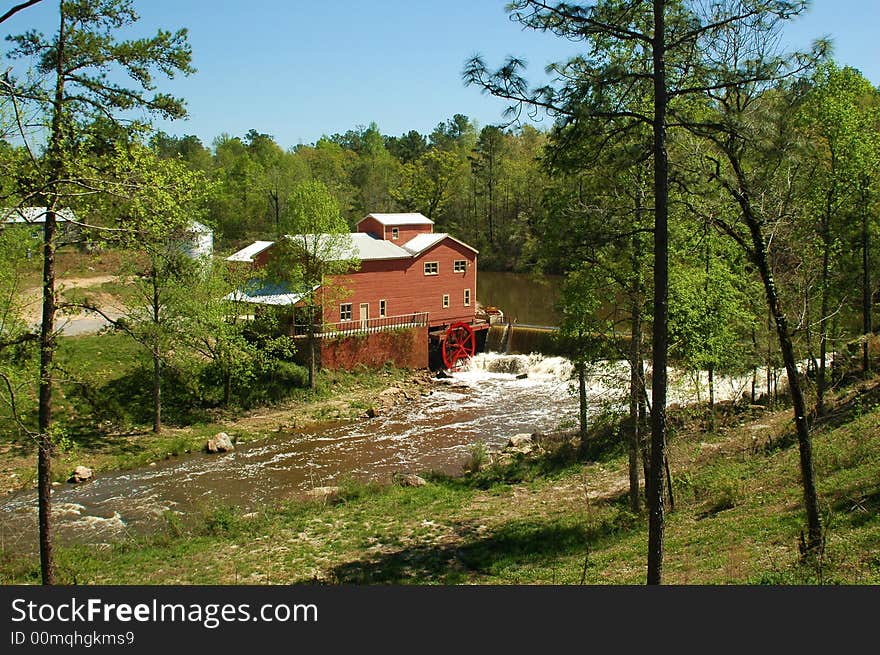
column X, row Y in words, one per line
column 347, row 328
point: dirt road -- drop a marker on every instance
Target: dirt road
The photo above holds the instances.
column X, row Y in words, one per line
column 78, row 323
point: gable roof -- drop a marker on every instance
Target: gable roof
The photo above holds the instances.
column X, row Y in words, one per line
column 422, row 242
column 399, row 219
column 247, row 254
column 360, row 245
column 260, row 292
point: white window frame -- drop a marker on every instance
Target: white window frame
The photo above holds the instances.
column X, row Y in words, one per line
column 395, row 233
column 459, row 266
column 343, row 311
column 383, row 308
column 432, row 268
column 445, row 301
column 467, row 297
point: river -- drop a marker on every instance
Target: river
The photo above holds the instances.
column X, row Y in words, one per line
column 522, row 297
column 487, row 402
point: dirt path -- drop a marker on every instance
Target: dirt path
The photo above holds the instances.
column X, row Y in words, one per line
column 72, row 324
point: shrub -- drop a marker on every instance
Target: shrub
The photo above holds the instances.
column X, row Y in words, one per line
column 478, row 455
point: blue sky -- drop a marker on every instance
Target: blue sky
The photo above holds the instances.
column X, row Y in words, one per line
column 299, row 69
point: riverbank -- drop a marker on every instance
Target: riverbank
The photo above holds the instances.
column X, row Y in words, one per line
column 344, row 396
column 545, row 518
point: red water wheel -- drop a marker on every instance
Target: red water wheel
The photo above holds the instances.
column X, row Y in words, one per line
column 459, row 345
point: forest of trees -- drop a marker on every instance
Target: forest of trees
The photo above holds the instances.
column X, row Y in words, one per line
column 485, row 185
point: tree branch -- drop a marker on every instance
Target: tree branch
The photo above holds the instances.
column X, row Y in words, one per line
column 17, row 8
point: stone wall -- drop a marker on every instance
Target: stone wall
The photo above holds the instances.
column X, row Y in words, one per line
column 403, row 347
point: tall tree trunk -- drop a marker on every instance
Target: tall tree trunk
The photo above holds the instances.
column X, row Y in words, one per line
column 634, row 393
column 157, row 391
column 47, row 354
column 661, row 299
column 802, row 427
column 769, row 358
column 582, row 403
column 712, row 398
column 311, row 339
column 754, row 368
column 867, row 319
column 157, row 357
column 821, row 382
column 47, row 324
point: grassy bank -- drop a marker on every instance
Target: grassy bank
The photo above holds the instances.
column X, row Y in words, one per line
column 547, row 519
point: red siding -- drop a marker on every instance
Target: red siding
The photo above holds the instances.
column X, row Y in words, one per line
column 406, row 288
column 370, row 224
column 405, row 232
column 262, row 258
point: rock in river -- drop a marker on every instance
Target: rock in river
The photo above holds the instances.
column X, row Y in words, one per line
column 81, row 474
column 219, row 443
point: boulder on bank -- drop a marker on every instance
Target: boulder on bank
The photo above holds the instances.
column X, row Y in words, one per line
column 81, row 474
column 519, row 440
column 219, row 443
column 522, row 443
column 327, row 495
column 409, row 480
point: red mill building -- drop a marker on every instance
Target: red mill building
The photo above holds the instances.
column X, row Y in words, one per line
column 412, row 286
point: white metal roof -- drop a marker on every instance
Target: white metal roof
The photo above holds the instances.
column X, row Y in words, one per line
column 400, row 219
column 359, row 244
column 33, row 215
column 422, row 242
column 247, row 254
column 257, row 292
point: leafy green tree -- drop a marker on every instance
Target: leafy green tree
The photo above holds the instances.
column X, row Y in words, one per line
column 841, row 132
column 332, row 165
column 754, row 165
column 71, row 85
column 313, row 250
column 17, row 339
column 710, row 315
column 375, row 174
column 218, row 330
column 428, row 183
column 238, row 206
column 583, row 328
column 155, row 203
column 408, row 147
